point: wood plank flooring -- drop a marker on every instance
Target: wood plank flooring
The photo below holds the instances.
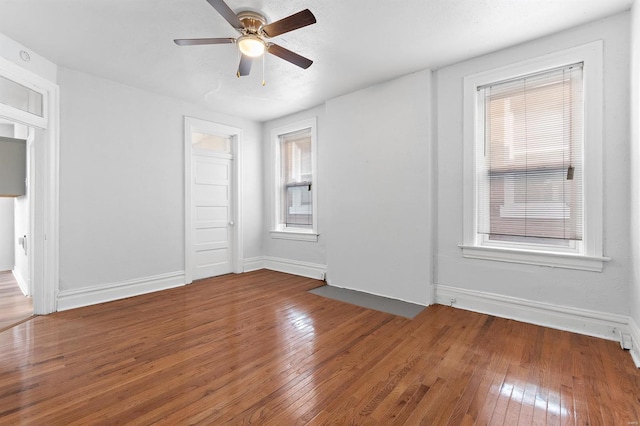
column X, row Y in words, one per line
column 14, row 306
column 257, row 348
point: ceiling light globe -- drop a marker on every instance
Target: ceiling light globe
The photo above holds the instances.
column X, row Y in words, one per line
column 251, row 46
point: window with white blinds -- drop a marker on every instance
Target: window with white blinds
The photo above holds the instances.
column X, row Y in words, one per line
column 296, row 179
column 530, row 163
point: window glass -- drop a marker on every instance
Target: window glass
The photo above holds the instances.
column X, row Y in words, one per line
column 296, row 179
column 208, row 142
column 21, row 97
column 530, row 161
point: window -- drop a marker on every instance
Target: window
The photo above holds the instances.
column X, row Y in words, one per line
column 294, row 197
column 530, row 166
column 532, row 144
column 296, row 177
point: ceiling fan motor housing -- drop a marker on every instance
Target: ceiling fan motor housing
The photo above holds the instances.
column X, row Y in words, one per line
column 252, row 22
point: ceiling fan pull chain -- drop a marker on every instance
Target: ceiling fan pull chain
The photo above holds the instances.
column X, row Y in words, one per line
column 239, row 57
column 263, row 82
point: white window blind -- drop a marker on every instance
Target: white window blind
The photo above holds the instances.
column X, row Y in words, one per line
column 296, row 179
column 530, row 169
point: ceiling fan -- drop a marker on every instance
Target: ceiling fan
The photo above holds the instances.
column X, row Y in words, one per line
column 254, row 31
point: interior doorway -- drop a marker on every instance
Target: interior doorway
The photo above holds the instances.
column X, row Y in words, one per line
column 16, row 304
column 213, row 229
column 31, row 100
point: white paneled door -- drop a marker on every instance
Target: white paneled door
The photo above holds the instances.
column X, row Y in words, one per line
column 212, row 216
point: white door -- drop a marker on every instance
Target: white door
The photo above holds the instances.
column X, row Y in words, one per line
column 211, row 213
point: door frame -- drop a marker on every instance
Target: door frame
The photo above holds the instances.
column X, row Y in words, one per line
column 43, row 184
column 235, row 134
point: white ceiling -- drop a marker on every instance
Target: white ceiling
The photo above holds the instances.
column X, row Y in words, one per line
column 354, row 44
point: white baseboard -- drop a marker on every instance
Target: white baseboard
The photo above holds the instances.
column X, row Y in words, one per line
column 582, row 321
column 253, row 264
column 69, row 299
column 6, row 268
column 635, row 339
column 22, row 283
column 295, row 267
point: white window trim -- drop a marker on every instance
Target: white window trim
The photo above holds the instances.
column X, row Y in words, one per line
column 589, row 254
column 277, row 230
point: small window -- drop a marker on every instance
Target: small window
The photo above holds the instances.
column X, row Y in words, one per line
column 208, row 142
column 296, row 179
column 295, row 182
column 21, row 97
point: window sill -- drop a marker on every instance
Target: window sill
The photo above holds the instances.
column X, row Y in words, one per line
column 530, row 257
column 295, row 235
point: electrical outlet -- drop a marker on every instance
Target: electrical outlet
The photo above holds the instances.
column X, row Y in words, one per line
column 625, row 341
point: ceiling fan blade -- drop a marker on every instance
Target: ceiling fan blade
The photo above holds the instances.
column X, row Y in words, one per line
column 290, row 23
column 245, row 65
column 226, row 12
column 290, row 56
column 197, row 41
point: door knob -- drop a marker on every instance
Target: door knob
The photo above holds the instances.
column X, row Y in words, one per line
column 231, row 223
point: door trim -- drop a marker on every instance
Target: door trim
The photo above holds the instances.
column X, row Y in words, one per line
column 44, row 185
column 194, row 124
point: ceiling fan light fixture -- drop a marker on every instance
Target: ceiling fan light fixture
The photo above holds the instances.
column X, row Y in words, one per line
column 251, row 45
column 254, row 31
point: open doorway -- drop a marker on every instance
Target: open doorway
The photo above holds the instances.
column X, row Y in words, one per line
column 16, row 304
column 32, row 101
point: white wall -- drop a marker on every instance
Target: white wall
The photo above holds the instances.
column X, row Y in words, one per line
column 297, row 251
column 122, row 183
column 634, row 293
column 602, row 292
column 6, row 234
column 376, row 164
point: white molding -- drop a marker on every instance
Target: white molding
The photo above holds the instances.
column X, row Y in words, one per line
column 6, row 267
column 582, row 321
column 253, row 264
column 295, row 267
column 22, row 283
column 635, row 339
column 530, row 257
column 69, row 299
column 296, row 236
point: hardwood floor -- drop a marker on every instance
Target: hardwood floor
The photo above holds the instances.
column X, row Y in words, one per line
column 14, row 306
column 256, row 348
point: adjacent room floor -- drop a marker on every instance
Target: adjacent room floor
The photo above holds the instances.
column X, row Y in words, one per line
column 259, row 348
column 14, row 306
